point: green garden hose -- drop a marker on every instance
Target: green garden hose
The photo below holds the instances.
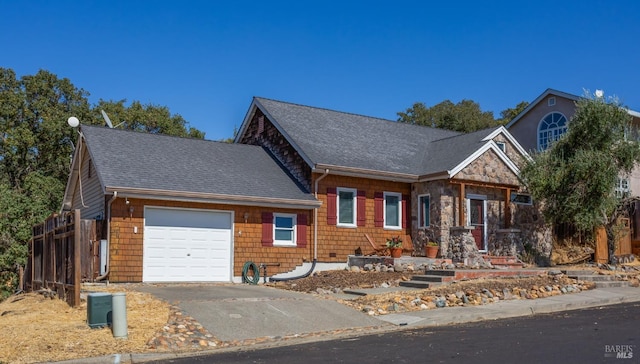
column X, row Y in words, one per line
column 246, row 278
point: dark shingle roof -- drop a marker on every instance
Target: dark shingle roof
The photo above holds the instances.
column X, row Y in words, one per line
column 129, row 159
column 356, row 141
column 445, row 154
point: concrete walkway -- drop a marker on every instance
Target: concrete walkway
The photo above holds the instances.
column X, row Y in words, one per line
column 239, row 312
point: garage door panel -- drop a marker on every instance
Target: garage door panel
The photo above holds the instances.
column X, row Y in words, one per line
column 186, row 245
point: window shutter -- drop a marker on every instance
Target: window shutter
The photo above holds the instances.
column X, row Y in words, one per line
column 332, row 217
column 378, row 207
column 267, row 229
column 301, row 230
column 361, row 209
column 406, row 211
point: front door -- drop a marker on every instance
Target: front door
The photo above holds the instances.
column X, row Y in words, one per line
column 477, row 219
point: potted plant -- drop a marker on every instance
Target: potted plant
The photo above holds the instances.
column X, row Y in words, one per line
column 395, row 246
column 431, row 249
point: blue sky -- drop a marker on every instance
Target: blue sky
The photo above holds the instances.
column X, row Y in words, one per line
column 205, row 60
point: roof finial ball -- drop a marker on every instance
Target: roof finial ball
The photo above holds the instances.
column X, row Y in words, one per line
column 73, row 122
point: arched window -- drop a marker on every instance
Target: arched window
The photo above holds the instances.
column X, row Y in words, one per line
column 551, row 129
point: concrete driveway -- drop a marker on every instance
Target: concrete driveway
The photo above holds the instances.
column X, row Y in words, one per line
column 241, row 312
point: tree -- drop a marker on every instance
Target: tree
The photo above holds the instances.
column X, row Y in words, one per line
column 36, row 145
column 148, row 118
column 464, row 116
column 510, row 113
column 575, row 178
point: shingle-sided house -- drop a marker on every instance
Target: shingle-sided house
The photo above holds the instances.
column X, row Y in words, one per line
column 299, row 185
column 387, row 179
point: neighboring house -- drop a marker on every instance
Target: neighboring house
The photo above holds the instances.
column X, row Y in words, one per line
column 299, row 185
column 546, row 119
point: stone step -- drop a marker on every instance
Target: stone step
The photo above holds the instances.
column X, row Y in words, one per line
column 593, row 278
column 431, row 278
column 418, row 284
column 608, row 284
column 578, row 272
column 440, row 272
column 508, row 265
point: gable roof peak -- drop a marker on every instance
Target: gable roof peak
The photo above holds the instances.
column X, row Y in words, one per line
column 258, row 98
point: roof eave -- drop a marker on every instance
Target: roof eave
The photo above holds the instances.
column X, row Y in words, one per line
column 502, row 130
column 365, row 173
column 186, row 196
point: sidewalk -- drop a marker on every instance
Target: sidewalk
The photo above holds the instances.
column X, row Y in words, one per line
column 416, row 319
column 515, row 308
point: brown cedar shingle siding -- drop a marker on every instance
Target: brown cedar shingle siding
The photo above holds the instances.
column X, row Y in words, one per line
column 126, row 247
column 344, row 241
column 361, row 208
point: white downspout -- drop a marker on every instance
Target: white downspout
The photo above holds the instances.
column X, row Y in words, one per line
column 108, row 217
column 315, row 217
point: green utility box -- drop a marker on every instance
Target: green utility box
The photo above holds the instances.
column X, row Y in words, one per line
column 99, row 309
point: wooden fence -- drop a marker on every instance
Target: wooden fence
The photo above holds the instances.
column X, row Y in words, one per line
column 63, row 252
column 622, row 244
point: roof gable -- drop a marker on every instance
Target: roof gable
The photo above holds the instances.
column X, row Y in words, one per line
column 328, row 138
column 557, row 93
column 171, row 166
column 488, row 166
column 538, row 99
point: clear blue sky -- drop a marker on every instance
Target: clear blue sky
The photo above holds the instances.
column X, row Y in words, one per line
column 205, row 60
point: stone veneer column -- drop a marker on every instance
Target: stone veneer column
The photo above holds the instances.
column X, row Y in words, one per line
column 461, row 245
column 507, row 242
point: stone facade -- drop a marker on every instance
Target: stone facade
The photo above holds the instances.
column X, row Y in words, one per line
column 488, row 168
column 511, row 229
column 462, row 245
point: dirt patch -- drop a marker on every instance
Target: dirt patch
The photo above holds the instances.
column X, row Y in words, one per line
column 37, row 329
column 342, row 279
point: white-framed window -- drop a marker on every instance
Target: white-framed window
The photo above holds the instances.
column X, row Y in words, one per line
column 622, row 187
column 551, row 101
column 346, row 206
column 502, row 146
column 284, row 229
column 424, row 208
column 550, row 129
column 392, row 210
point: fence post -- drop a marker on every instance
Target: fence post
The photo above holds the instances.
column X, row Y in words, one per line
column 77, row 269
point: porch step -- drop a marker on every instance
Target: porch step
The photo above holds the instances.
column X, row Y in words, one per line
column 504, row 261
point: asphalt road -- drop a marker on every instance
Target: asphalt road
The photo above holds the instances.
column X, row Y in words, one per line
column 594, row 335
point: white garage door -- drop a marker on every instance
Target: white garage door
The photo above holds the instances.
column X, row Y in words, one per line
column 186, row 245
